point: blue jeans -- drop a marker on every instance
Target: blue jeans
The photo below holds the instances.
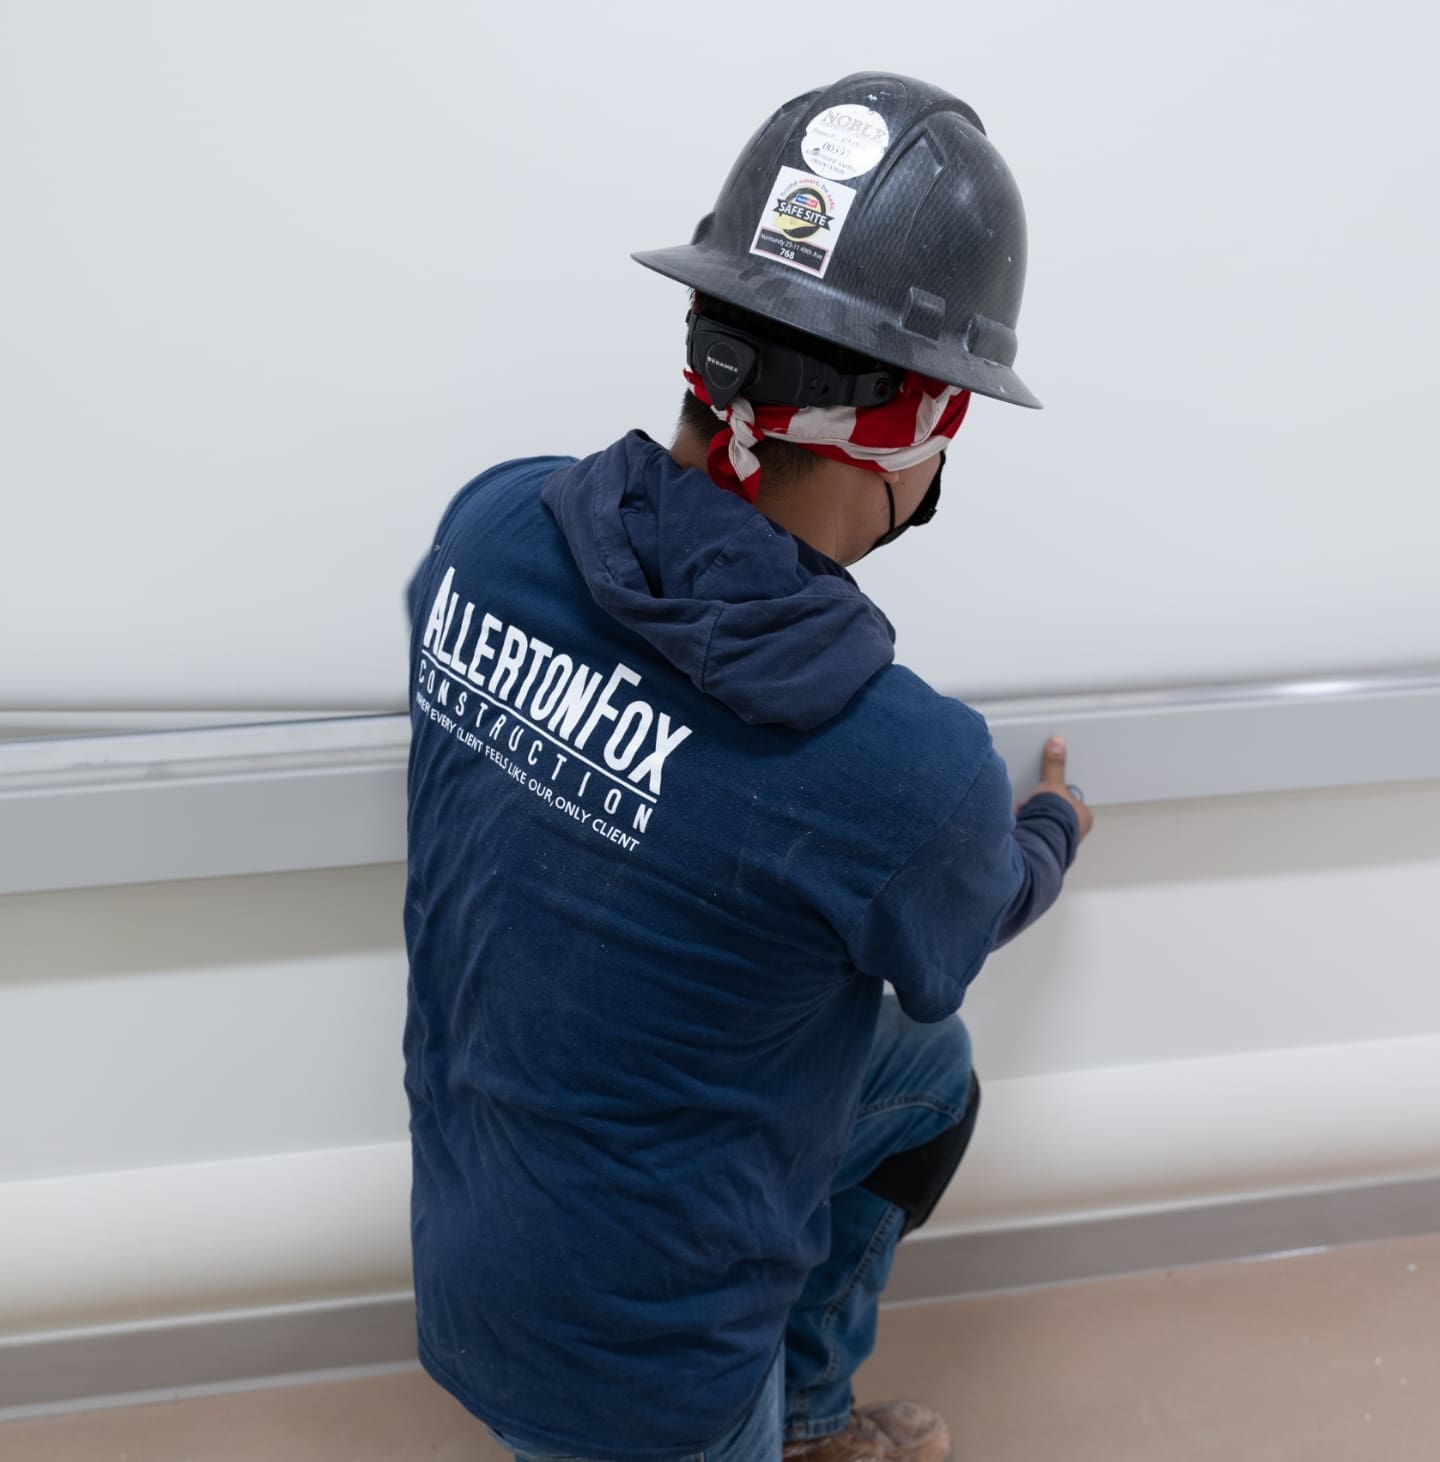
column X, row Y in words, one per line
column 916, row 1085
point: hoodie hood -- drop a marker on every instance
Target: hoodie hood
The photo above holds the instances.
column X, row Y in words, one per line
column 779, row 633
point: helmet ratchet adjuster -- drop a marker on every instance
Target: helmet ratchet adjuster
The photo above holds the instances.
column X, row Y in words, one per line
column 734, row 363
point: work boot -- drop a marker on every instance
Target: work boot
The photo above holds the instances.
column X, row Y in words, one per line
column 896, row 1431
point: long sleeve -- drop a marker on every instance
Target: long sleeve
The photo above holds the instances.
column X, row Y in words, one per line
column 983, row 876
column 1048, row 833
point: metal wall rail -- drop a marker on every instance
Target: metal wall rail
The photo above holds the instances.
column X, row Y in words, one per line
column 87, row 811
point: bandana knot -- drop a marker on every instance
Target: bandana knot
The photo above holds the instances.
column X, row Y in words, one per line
column 915, row 425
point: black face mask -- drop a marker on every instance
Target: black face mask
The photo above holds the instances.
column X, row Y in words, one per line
column 928, row 505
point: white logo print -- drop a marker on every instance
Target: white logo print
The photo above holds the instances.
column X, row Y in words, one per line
column 543, row 707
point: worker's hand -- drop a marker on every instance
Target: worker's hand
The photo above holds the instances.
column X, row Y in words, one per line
column 1052, row 779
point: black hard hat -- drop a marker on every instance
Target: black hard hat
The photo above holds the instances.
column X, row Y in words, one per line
column 874, row 214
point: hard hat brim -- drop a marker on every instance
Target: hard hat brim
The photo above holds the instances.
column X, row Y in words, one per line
column 841, row 322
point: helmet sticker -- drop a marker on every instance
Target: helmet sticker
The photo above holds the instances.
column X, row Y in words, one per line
column 803, row 221
column 845, row 141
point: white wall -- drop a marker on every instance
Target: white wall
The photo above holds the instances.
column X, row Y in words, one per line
column 171, row 1023
column 281, row 276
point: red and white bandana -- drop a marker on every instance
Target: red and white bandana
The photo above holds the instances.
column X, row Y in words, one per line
column 917, row 424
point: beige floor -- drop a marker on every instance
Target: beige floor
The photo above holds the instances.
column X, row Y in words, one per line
column 1327, row 1357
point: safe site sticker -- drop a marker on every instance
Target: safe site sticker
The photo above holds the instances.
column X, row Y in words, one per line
column 803, row 222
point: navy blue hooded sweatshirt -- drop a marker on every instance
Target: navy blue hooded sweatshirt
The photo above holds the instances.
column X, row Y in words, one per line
column 675, row 816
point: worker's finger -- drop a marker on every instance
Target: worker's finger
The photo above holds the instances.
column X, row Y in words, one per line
column 1052, row 762
column 1052, row 780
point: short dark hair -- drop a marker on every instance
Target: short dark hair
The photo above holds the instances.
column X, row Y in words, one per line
column 779, row 461
column 783, row 461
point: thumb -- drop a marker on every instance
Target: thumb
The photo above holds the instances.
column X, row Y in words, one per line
column 1052, row 762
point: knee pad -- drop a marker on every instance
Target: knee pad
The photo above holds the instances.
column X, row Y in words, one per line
column 915, row 1179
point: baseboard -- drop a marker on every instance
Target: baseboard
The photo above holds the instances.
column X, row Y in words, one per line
column 949, row 1264
column 169, row 1360
column 203, row 1355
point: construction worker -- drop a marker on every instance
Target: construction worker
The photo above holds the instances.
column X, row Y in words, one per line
column 677, row 817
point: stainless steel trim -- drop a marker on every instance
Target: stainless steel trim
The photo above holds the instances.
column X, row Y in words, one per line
column 329, row 792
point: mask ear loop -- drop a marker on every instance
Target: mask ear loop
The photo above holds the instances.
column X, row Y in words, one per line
column 926, row 510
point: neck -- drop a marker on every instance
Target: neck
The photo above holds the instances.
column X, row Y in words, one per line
column 811, row 511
